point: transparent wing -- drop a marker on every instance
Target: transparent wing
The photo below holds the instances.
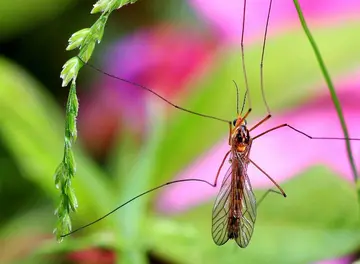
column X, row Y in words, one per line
column 248, row 210
column 220, row 214
column 221, row 210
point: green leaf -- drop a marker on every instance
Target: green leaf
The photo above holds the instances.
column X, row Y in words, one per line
column 77, row 38
column 72, row 198
column 121, row 3
column 70, row 70
column 72, row 109
column 87, row 50
column 70, row 124
column 70, row 160
column 99, row 27
column 101, row 6
column 318, row 220
column 110, row 5
column 59, row 175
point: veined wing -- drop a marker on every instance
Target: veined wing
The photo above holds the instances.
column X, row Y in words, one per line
column 220, row 211
column 247, row 216
column 248, row 208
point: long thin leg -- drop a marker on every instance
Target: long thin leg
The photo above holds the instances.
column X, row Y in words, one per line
column 221, row 165
column 260, row 122
column 300, row 132
column 243, row 53
column 150, row 91
column 262, row 60
column 271, row 179
column 134, row 198
column 266, row 194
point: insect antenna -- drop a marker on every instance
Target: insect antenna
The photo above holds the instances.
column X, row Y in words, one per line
column 243, row 105
column 153, row 92
column 134, row 198
column 237, row 98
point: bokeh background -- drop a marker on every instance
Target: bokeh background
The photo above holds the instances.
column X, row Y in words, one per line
column 130, row 141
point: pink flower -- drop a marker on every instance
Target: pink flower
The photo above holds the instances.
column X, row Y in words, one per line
column 226, row 18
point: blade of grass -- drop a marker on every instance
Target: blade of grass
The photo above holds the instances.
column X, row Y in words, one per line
column 84, row 40
column 331, row 87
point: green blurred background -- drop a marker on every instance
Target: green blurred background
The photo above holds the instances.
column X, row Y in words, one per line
column 33, row 38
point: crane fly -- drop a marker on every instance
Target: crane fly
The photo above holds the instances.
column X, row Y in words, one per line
column 234, row 211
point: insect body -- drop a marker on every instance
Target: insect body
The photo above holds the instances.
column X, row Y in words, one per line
column 234, row 210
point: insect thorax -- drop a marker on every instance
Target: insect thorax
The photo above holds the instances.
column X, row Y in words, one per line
column 241, row 139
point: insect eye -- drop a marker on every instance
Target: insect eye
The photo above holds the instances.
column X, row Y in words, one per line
column 245, row 122
column 234, row 122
